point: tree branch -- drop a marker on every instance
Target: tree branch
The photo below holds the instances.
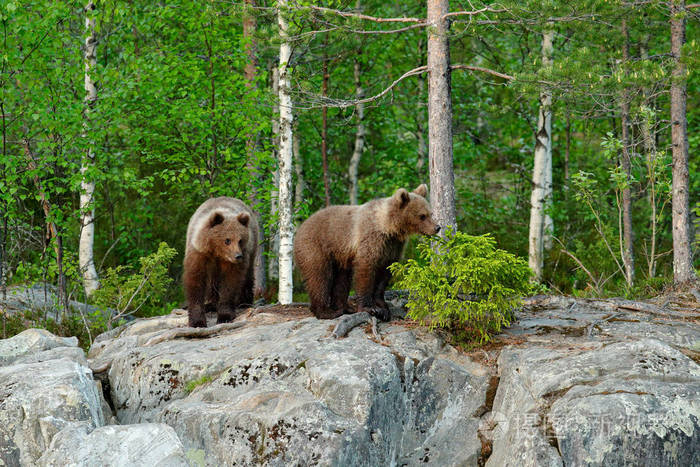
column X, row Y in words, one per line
column 349, row 14
column 339, row 103
column 419, row 21
column 482, row 69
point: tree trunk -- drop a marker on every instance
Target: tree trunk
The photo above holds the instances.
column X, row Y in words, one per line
column 250, row 72
column 542, row 171
column 273, row 271
column 547, row 50
column 682, row 257
column 87, row 186
column 299, row 169
column 3, row 213
column 359, row 136
column 286, row 226
column 567, row 150
column 324, row 128
column 649, row 142
column 420, row 116
column 442, row 188
column 628, row 251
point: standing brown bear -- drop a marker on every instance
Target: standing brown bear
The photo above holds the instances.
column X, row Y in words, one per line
column 219, row 259
column 338, row 240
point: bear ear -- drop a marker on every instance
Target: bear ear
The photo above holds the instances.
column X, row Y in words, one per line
column 216, row 219
column 422, row 190
column 402, row 197
column 244, row 218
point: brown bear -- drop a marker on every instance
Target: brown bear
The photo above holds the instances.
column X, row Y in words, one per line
column 339, row 240
column 219, row 259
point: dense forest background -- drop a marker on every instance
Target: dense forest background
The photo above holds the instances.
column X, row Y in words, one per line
column 181, row 104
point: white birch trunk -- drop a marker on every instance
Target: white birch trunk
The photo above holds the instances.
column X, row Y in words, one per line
column 359, row 137
column 87, row 186
column 542, row 172
column 547, row 50
column 272, row 264
column 286, row 226
column 442, row 192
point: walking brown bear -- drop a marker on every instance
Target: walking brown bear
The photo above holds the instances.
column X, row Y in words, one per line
column 338, row 241
column 219, row 259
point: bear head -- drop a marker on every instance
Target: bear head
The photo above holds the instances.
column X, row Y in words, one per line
column 227, row 236
column 410, row 213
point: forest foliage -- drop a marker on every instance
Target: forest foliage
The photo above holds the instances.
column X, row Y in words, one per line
column 175, row 117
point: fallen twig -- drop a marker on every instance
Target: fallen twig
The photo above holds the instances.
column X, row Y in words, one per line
column 193, row 332
column 375, row 332
column 348, row 322
column 599, row 321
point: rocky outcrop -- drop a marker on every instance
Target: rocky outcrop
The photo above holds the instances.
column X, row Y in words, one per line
column 571, row 382
column 46, row 390
column 41, row 299
column 281, row 391
column 599, row 383
column 146, row 444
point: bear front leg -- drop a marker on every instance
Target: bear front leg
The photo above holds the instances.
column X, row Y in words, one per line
column 383, row 278
column 317, row 272
column 195, row 283
column 247, row 292
column 365, row 285
column 341, row 290
column 229, row 297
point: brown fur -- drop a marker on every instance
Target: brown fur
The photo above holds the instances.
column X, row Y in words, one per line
column 339, row 241
column 219, row 259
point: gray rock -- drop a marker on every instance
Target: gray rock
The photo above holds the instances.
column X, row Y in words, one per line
column 583, row 382
column 147, row 445
column 280, row 391
column 29, row 343
column 627, row 403
column 37, row 400
column 41, row 298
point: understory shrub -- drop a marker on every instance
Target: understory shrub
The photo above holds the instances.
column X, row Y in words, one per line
column 125, row 292
column 463, row 283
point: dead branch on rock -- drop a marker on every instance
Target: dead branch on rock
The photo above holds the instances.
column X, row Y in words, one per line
column 375, row 332
column 348, row 322
column 193, row 332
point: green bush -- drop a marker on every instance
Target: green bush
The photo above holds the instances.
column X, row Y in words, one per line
column 463, row 283
column 142, row 291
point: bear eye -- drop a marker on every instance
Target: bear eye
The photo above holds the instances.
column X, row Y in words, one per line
column 422, row 217
column 227, row 241
column 240, row 243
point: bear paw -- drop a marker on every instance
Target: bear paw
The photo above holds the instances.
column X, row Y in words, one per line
column 382, row 314
column 196, row 321
column 225, row 316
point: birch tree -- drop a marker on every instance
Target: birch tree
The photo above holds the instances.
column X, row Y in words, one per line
column 359, row 134
column 273, row 265
column 683, row 271
column 87, row 186
column 286, row 226
column 442, row 192
column 542, row 171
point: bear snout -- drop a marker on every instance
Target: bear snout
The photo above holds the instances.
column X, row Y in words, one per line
column 437, row 228
column 238, row 256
